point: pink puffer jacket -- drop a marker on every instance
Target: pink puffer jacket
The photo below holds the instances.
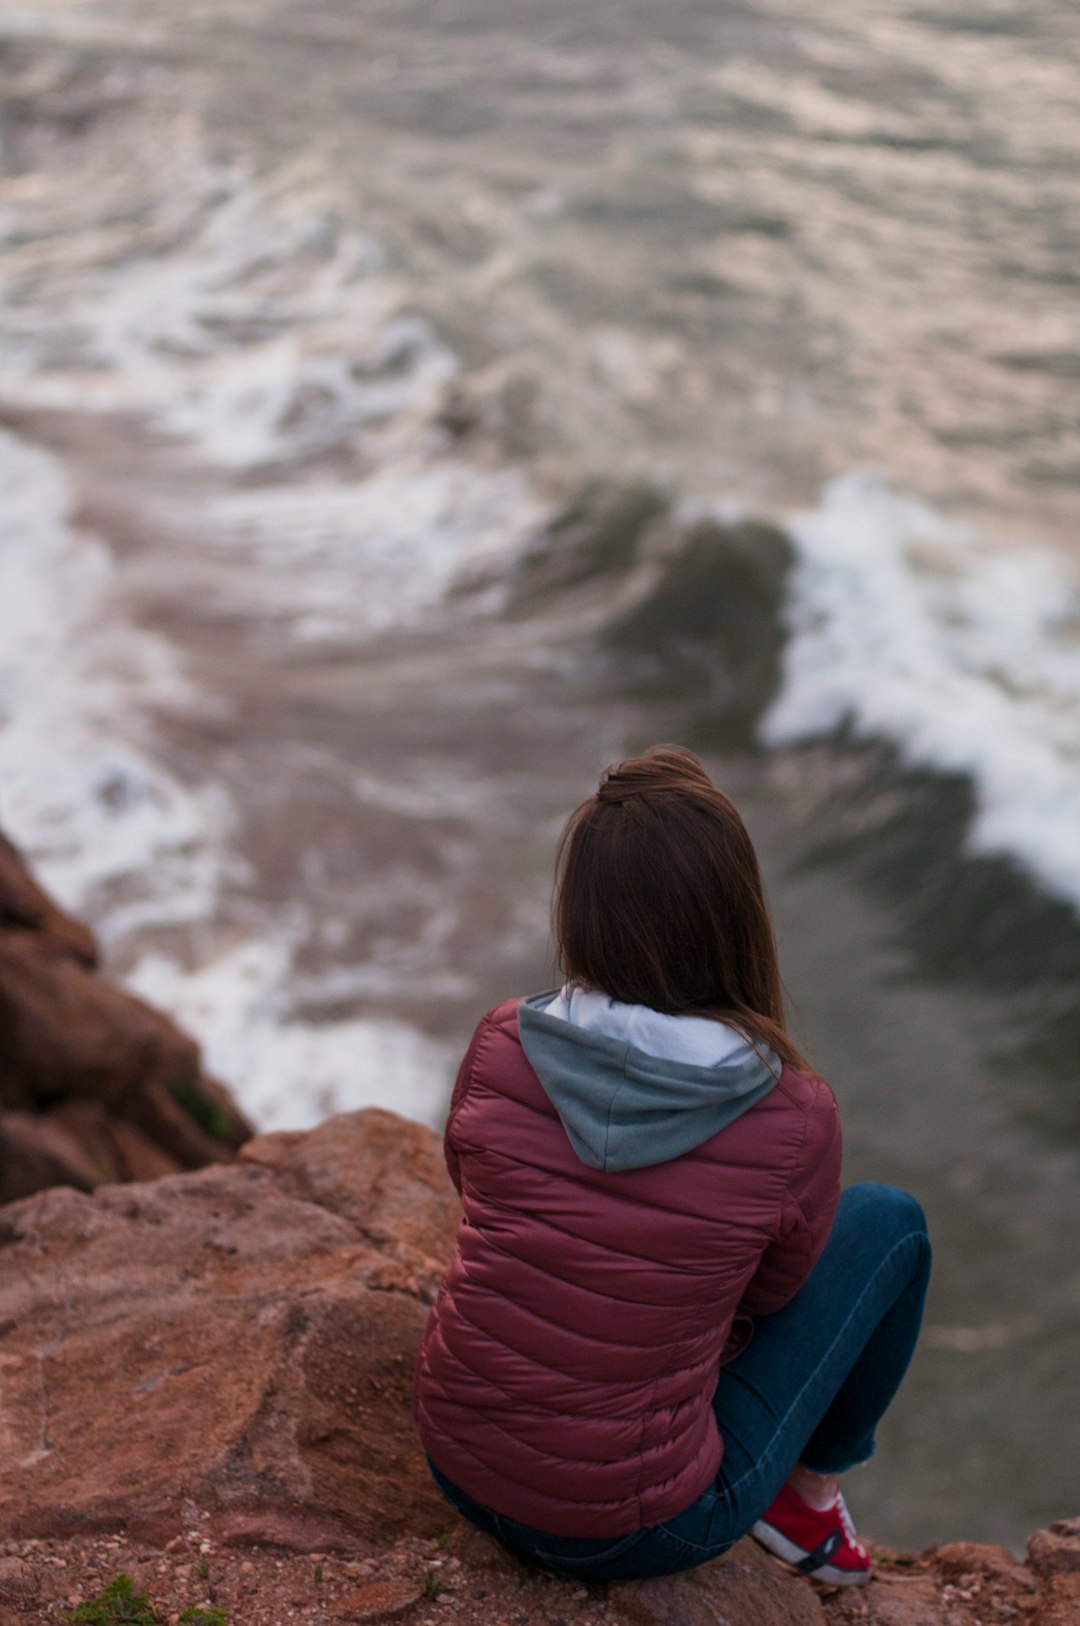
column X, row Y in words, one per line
column 567, row 1368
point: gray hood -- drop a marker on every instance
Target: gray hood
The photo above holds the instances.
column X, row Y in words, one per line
column 624, row 1108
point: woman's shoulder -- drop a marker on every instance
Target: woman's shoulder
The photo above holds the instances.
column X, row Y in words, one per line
column 502, row 1017
column 807, row 1092
column 498, row 1025
column 811, row 1099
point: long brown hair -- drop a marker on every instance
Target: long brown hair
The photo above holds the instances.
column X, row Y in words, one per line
column 659, row 900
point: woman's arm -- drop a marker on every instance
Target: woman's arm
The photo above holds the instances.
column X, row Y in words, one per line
column 461, row 1085
column 806, row 1214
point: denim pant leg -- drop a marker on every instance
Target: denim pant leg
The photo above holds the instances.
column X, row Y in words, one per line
column 845, row 1435
column 818, row 1375
column 811, row 1387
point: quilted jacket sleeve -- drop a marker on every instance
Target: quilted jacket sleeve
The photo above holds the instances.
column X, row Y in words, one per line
column 807, row 1213
column 461, row 1084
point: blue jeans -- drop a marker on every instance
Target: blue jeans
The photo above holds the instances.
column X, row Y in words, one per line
column 809, row 1388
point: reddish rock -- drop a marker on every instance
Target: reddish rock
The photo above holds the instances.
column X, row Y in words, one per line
column 745, row 1586
column 479, row 1551
column 379, row 1600
column 18, row 1583
column 140, row 1158
column 385, row 1176
column 36, row 1152
column 296, row 1530
column 91, row 1125
column 95, row 1085
column 25, row 904
column 222, row 1360
column 961, row 1584
column 242, row 1337
column 1056, row 1551
column 1058, row 1603
column 959, row 1561
column 240, row 1340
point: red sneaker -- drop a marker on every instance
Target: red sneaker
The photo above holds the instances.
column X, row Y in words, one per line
column 822, row 1545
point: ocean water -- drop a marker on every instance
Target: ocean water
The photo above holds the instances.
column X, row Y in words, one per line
column 405, row 411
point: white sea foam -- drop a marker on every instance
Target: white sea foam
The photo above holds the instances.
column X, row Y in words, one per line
column 266, row 334
column 291, row 1074
column 348, row 558
column 264, row 337
column 79, row 791
column 269, row 335
column 109, row 828
column 965, row 655
column 111, row 831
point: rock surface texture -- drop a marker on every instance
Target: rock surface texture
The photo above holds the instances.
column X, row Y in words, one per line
column 206, row 1385
column 95, row 1085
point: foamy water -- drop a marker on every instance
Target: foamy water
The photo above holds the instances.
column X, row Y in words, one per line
column 270, row 340
column 268, row 337
column 117, row 836
column 292, row 1074
column 79, row 783
column 964, row 655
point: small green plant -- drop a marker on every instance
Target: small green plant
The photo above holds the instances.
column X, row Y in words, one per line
column 204, row 1617
column 118, row 1604
column 204, row 1569
column 318, row 1575
column 433, row 1586
column 444, row 1540
column 189, row 1094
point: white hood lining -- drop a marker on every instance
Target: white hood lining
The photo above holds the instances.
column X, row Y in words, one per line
column 696, row 1040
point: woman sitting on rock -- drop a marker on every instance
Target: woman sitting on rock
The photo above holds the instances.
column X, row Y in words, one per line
column 663, row 1326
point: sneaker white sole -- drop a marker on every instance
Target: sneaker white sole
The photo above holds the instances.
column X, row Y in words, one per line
column 779, row 1545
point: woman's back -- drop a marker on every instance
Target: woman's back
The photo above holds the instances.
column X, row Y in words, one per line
column 624, row 1215
column 646, row 1165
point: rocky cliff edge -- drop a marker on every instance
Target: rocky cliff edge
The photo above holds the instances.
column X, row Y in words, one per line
column 95, row 1085
column 206, row 1384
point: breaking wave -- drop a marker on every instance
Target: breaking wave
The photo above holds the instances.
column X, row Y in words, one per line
column 965, row 656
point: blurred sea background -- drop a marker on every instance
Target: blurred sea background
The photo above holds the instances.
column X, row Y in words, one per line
column 407, row 409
